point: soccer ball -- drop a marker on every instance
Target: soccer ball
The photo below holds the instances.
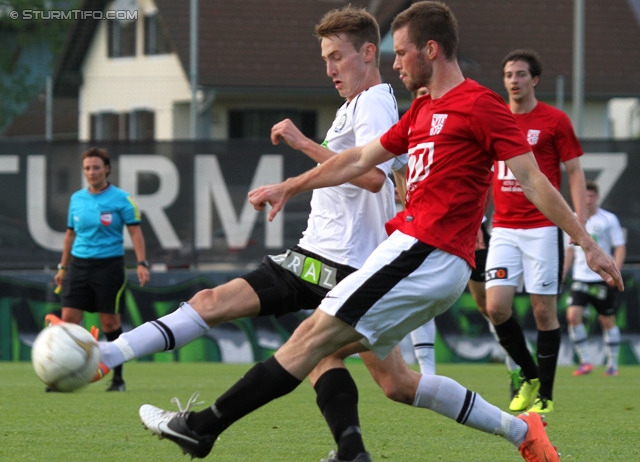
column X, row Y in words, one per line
column 65, row 356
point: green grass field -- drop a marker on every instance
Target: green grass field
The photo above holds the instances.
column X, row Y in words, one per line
column 596, row 418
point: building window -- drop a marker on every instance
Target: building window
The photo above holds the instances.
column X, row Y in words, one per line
column 127, row 126
column 141, row 125
column 257, row 123
column 105, row 126
column 121, row 38
column 155, row 40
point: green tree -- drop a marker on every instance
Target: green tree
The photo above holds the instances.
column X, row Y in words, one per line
column 29, row 49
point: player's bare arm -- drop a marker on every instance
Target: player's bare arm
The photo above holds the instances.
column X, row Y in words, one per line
column 286, row 131
column 577, row 188
column 549, row 201
column 337, row 170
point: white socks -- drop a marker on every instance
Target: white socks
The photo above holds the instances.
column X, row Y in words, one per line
column 166, row 333
column 612, row 346
column 450, row 399
column 578, row 336
column 424, row 339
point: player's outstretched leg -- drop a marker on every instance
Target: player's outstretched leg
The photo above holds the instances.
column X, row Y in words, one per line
column 195, row 432
column 170, row 332
column 526, row 432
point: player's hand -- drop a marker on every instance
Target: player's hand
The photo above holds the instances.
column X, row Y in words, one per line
column 59, row 277
column 287, row 131
column 143, row 275
column 272, row 194
column 604, row 265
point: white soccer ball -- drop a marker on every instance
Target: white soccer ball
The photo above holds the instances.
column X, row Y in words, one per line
column 65, row 356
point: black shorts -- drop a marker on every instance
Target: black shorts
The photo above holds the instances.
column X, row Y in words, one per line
column 602, row 297
column 481, row 257
column 94, row 284
column 294, row 280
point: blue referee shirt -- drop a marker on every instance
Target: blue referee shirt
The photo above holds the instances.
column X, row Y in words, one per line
column 98, row 221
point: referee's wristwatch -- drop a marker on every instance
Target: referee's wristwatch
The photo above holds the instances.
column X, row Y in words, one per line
column 144, row 263
column 61, row 267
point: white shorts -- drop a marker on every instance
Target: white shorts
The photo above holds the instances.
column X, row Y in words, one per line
column 403, row 284
column 529, row 257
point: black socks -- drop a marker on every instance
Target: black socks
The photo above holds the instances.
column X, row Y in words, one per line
column 264, row 382
column 513, row 341
column 337, row 398
column 111, row 336
column 548, row 348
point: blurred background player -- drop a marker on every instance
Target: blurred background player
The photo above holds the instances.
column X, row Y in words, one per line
column 526, row 247
column 91, row 270
column 478, row 291
column 588, row 288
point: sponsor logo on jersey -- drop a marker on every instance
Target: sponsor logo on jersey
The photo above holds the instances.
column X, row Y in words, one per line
column 496, row 273
column 106, row 218
column 533, row 136
column 437, row 123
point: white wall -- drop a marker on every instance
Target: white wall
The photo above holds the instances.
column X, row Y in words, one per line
column 595, row 120
column 625, row 117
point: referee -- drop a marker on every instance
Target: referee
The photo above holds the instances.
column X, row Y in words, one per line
column 91, row 271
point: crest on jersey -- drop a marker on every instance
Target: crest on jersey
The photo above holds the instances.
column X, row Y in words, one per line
column 437, row 123
column 106, row 218
column 339, row 125
column 533, row 136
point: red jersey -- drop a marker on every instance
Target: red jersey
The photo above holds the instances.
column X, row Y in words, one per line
column 552, row 139
column 452, row 143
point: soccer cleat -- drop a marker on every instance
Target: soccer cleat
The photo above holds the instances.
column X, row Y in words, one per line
column 51, row 320
column 103, row 369
column 541, row 406
column 525, row 395
column 173, row 426
column 100, row 372
column 584, row 369
column 95, row 332
column 514, row 382
column 536, row 446
column 117, row 384
column 610, row 372
column 361, row 457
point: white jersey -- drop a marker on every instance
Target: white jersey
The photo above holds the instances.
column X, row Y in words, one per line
column 347, row 222
column 605, row 229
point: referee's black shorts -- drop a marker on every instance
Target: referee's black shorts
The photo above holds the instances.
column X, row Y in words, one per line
column 95, row 285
